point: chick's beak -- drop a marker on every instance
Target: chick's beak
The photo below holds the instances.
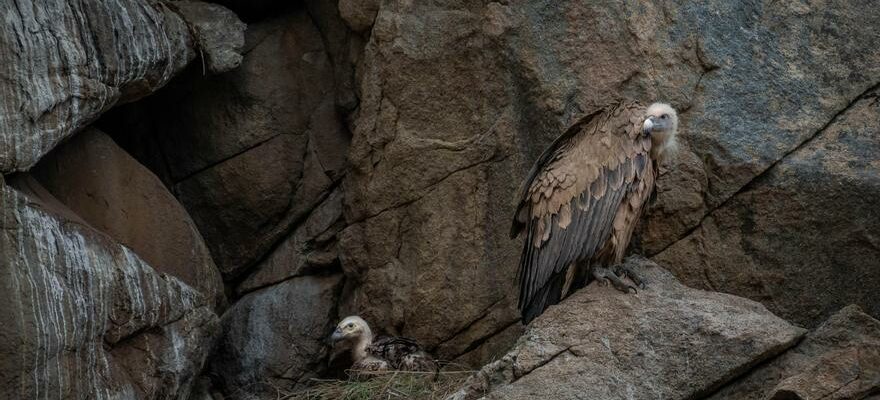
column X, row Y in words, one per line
column 648, row 126
column 336, row 336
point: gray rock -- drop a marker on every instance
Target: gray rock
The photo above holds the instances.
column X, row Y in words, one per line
column 84, row 317
column 310, row 249
column 274, row 338
column 803, row 238
column 839, row 360
column 219, row 33
column 114, row 194
column 668, row 341
column 111, row 52
column 359, row 14
column 251, row 152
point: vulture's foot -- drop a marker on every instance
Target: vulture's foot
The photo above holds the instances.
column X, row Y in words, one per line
column 626, row 271
column 606, row 275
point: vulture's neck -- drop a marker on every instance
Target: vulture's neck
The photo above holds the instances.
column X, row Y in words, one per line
column 359, row 351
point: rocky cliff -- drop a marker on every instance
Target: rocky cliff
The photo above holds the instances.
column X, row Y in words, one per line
column 190, row 201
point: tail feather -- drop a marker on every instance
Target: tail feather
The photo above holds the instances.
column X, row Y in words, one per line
column 548, row 295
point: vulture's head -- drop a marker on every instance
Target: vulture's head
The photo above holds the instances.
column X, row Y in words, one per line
column 661, row 124
column 351, row 329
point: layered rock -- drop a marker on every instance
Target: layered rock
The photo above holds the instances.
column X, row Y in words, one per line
column 249, row 153
column 110, row 191
column 86, row 318
column 67, row 62
column 273, row 339
column 668, row 341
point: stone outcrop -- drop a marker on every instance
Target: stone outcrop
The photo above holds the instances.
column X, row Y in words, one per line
column 802, row 238
column 839, row 360
column 668, row 341
column 275, row 338
column 66, row 62
column 86, row 318
column 361, row 157
column 252, row 152
column 457, row 100
column 114, row 194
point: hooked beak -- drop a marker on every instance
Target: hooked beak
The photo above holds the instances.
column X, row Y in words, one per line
column 336, row 336
column 648, row 126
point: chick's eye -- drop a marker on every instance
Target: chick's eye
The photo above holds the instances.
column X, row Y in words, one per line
column 664, row 116
column 350, row 326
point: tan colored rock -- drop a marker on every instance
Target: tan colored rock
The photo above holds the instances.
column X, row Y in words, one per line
column 359, row 14
column 459, row 98
column 668, row 341
column 839, row 360
column 86, row 318
column 108, row 189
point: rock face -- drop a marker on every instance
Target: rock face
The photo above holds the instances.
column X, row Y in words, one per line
column 86, row 318
column 839, row 360
column 809, row 222
column 310, row 249
column 668, row 341
column 458, row 99
column 275, row 338
column 363, row 157
column 110, row 191
column 251, row 152
column 111, row 52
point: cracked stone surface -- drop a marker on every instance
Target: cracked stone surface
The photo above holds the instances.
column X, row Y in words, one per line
column 114, row 194
column 458, row 99
column 251, row 152
column 67, row 61
column 275, row 337
column 668, row 341
column 803, row 238
column 839, row 360
column 84, row 317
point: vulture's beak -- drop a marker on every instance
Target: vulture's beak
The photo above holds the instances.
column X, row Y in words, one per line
column 336, row 336
column 648, row 126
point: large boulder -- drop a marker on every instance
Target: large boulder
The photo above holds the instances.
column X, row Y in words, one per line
column 459, row 98
column 668, row 341
column 802, row 238
column 275, row 338
column 86, row 318
column 251, row 152
column 108, row 189
column 839, row 360
column 66, row 62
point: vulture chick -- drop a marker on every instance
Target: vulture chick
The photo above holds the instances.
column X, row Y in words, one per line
column 582, row 199
column 385, row 353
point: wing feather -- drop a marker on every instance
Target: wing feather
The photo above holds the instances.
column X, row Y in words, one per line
column 569, row 201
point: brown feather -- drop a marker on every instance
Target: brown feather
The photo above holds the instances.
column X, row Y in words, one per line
column 582, row 200
column 401, row 354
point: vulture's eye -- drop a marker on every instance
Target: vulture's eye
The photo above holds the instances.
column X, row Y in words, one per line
column 350, row 325
column 664, row 116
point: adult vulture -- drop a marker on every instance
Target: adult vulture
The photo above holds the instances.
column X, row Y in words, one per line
column 583, row 198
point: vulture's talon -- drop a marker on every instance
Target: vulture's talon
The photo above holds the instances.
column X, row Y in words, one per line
column 625, row 271
column 606, row 275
